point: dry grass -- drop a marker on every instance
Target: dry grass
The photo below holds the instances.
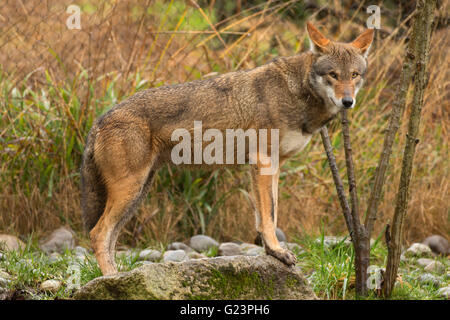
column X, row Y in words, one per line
column 55, row 81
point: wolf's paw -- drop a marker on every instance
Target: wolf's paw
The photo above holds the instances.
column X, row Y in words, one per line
column 285, row 256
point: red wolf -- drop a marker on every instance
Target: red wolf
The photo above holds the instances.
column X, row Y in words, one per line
column 295, row 95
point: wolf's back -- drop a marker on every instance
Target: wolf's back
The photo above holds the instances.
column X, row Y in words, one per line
column 93, row 191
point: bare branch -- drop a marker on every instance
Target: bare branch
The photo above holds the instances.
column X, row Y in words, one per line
column 337, row 180
column 421, row 36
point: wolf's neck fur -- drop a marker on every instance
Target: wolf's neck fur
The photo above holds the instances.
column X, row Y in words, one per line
column 311, row 108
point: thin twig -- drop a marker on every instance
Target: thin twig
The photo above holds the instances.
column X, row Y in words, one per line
column 200, row 32
column 337, row 180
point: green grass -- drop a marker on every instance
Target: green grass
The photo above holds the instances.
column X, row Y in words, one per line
column 329, row 270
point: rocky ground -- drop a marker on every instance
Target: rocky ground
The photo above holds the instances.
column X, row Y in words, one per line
column 56, row 267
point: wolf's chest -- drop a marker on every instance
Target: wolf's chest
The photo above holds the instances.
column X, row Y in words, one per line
column 293, row 142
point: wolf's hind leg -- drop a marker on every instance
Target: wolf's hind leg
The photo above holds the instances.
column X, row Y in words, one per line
column 124, row 196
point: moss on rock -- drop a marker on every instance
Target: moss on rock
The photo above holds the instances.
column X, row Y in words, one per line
column 236, row 277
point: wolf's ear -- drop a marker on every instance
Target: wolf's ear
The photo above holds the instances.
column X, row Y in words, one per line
column 364, row 41
column 318, row 40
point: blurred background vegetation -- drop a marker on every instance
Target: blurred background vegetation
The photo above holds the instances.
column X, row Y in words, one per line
column 54, row 82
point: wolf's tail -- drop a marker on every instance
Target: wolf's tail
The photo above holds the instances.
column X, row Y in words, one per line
column 93, row 190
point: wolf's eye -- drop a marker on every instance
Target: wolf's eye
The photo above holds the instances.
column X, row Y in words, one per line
column 355, row 74
column 333, row 75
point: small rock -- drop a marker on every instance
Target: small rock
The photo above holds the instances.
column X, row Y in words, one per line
column 294, row 247
column 150, row 255
column 333, row 241
column 80, row 251
column 280, row 235
column 126, row 254
column 5, row 275
column 418, row 250
column 258, row 251
column 196, row 255
column 9, row 243
column 3, row 283
column 202, row 243
column 428, row 278
column 58, row 241
column 247, row 246
column 444, row 292
column 435, row 266
column 54, row 257
column 179, row 246
column 50, row 285
column 423, row 262
column 403, row 258
column 175, row 256
column 229, row 249
column 438, row 244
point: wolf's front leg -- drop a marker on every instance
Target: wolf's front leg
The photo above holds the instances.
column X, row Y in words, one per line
column 265, row 193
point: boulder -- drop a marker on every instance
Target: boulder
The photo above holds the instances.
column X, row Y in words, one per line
column 237, row 277
column 58, row 241
column 9, row 243
column 202, row 243
column 438, row 244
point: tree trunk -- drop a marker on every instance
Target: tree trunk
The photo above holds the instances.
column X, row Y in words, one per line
column 360, row 239
column 421, row 37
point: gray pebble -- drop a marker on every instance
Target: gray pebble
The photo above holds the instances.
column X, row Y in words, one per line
column 50, row 285
column 430, row 279
column 418, row 250
column 438, row 244
column 179, row 246
column 202, row 243
column 280, row 235
column 444, row 292
column 175, row 256
column 229, row 249
column 435, row 266
column 150, row 255
column 258, row 251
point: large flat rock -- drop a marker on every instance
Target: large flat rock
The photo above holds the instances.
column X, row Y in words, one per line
column 233, row 277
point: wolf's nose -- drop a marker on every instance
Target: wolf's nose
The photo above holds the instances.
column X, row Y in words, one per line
column 347, row 102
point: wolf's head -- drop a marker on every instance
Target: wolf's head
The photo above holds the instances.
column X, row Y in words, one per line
column 338, row 70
